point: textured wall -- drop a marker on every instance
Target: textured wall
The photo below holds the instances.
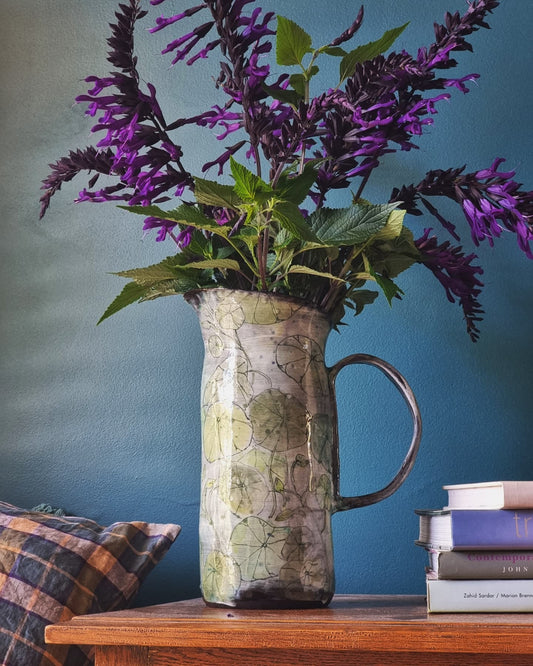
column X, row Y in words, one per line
column 104, row 421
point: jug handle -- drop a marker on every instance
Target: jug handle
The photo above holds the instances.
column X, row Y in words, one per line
column 344, row 503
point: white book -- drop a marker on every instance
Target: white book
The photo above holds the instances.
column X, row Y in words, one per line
column 479, row 596
column 490, row 495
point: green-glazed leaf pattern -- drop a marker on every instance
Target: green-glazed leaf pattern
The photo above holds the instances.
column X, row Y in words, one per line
column 267, row 449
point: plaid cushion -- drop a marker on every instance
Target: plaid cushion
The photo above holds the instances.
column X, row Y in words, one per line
column 52, row 568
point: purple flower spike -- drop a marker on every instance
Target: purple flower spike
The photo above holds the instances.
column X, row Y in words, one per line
column 457, row 275
column 491, row 201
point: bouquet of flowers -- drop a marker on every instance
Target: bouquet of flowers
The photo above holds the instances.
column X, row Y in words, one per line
column 267, row 226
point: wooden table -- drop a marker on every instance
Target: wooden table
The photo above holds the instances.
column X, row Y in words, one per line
column 354, row 629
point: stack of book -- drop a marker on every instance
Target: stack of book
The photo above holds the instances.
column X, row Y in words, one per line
column 480, row 549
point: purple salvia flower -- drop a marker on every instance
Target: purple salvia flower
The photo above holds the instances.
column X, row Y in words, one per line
column 491, row 201
column 460, row 83
column 164, row 227
column 457, row 275
column 188, row 42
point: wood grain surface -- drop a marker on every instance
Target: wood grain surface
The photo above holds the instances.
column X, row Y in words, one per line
column 383, row 629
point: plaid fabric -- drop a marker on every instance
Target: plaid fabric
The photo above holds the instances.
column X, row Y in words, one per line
column 52, row 568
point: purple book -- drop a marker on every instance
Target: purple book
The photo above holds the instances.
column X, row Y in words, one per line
column 465, row 529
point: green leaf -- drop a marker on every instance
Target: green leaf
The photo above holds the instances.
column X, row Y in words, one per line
column 292, row 97
column 393, row 226
column 296, row 189
column 394, row 256
column 290, row 218
column 349, row 226
column 388, row 287
column 211, row 193
column 292, row 42
column 185, row 215
column 298, row 82
column 283, row 239
column 199, row 245
column 131, row 293
column 295, row 268
column 368, row 51
column 361, row 297
column 164, row 270
column 248, row 236
column 247, row 185
column 170, row 276
column 221, row 264
column 335, row 51
column 171, row 288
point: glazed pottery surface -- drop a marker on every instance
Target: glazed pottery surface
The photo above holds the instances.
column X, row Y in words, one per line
column 270, row 450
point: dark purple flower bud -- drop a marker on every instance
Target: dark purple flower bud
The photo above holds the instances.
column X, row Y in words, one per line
column 222, row 159
column 188, row 42
column 163, row 22
column 348, row 34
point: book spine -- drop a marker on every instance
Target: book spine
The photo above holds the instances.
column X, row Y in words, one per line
column 499, row 564
column 479, row 596
column 497, row 529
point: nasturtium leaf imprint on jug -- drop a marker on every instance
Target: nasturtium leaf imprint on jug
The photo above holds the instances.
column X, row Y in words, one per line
column 221, row 577
column 230, row 315
column 322, row 439
column 231, row 378
column 257, row 547
column 301, row 358
column 226, row 430
column 279, row 421
column 244, row 490
column 268, row 310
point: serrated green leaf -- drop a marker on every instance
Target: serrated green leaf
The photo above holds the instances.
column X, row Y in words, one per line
column 368, row 51
column 185, row 215
column 297, row 82
column 292, row 97
column 224, row 252
column 292, row 42
column 388, row 287
column 199, row 245
column 164, row 270
column 211, row 193
column 290, row 218
column 283, row 239
column 394, row 256
column 335, row 51
column 248, row 236
column 131, row 293
column 393, row 226
column 172, row 288
column 222, row 264
column 359, row 298
column 295, row 268
column 296, row 189
column 349, row 226
column 247, row 185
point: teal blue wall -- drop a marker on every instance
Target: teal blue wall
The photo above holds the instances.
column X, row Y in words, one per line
column 105, row 422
